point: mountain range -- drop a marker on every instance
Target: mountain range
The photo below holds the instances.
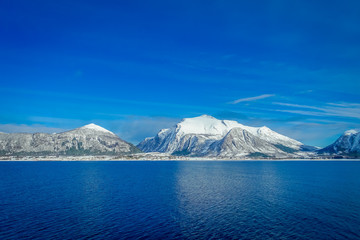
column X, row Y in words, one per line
column 203, row 136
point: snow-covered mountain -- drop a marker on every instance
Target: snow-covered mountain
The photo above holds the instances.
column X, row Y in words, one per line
column 208, row 136
column 347, row 144
column 90, row 139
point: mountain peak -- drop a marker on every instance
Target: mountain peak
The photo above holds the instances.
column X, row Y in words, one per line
column 352, row 131
column 205, row 124
column 95, row 127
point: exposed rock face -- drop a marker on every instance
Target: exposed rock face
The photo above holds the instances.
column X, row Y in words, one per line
column 87, row 140
column 208, row 136
column 239, row 142
column 347, row 145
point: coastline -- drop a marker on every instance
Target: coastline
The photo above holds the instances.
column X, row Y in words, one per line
column 158, row 158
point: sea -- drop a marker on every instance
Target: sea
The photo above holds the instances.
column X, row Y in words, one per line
column 180, row 200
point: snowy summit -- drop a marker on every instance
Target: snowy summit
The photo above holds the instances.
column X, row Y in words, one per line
column 352, row 131
column 206, row 124
column 95, row 127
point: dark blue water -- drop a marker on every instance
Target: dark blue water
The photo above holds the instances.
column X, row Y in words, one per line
column 183, row 200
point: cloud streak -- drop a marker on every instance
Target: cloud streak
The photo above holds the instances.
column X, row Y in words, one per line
column 351, row 110
column 32, row 128
column 250, row 99
column 297, row 105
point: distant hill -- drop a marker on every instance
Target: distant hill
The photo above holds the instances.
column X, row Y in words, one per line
column 347, row 145
column 87, row 140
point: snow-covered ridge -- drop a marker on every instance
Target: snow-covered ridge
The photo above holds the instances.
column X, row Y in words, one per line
column 209, row 125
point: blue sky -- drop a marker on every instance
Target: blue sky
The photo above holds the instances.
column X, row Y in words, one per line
column 135, row 67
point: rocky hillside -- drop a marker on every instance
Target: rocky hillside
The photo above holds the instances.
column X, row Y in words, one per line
column 87, row 140
column 347, row 145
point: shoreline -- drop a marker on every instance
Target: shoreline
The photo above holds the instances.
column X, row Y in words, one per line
column 162, row 159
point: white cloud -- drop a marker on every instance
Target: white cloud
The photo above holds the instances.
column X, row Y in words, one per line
column 252, row 98
column 136, row 128
column 314, row 134
column 23, row 128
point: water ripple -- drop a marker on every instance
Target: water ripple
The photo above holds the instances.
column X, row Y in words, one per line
column 179, row 200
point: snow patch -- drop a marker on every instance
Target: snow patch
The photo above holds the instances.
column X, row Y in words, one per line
column 352, row 131
column 207, row 125
column 95, row 127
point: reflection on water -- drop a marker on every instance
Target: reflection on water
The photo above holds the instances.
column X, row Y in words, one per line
column 237, row 196
column 258, row 200
column 179, row 200
column 91, row 209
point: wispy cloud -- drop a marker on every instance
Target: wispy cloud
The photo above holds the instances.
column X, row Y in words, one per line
column 306, row 91
column 103, row 100
column 316, row 134
column 351, row 110
column 297, row 105
column 344, row 104
column 250, row 99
